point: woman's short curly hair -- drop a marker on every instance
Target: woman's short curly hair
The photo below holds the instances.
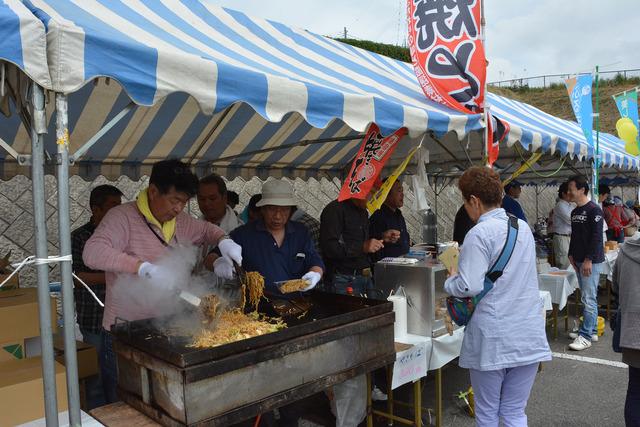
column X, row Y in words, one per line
column 482, row 182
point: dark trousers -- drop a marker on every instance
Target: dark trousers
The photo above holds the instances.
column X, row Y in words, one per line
column 108, row 368
column 632, row 404
column 611, row 235
column 361, row 285
column 94, row 386
column 289, row 415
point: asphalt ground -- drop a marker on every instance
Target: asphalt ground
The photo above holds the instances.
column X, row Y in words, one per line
column 567, row 392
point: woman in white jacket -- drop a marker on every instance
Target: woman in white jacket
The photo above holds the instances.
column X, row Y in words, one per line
column 505, row 339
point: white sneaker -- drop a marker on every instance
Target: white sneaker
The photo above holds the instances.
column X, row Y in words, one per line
column 580, row 343
column 378, row 395
column 574, row 335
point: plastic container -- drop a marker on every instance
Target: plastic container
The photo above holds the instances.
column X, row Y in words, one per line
column 281, row 283
column 429, row 227
column 601, row 325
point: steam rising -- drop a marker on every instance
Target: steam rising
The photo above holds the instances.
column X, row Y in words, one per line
column 148, row 298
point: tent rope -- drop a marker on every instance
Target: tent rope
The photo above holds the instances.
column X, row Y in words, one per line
column 533, row 170
column 32, row 260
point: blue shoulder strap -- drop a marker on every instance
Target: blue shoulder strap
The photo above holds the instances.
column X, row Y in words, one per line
column 495, row 272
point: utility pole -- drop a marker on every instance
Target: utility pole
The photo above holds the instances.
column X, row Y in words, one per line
column 345, row 32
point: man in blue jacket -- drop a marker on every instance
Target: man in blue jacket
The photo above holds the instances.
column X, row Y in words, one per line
column 509, row 203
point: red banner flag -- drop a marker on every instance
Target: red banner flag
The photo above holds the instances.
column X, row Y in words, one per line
column 371, row 158
column 497, row 131
column 447, row 52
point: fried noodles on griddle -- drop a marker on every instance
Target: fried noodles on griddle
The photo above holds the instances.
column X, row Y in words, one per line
column 209, row 308
column 234, row 326
column 255, row 283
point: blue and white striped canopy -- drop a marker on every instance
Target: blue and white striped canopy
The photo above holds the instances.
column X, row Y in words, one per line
column 536, row 130
column 154, row 48
column 239, row 94
column 22, row 43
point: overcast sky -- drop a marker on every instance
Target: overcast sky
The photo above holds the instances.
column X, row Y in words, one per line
column 524, row 37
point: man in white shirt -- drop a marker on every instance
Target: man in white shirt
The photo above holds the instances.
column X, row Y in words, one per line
column 562, row 227
column 212, row 201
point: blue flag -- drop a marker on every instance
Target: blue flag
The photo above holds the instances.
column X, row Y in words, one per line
column 579, row 89
column 627, row 103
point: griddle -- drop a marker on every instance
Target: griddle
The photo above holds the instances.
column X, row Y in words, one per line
column 340, row 337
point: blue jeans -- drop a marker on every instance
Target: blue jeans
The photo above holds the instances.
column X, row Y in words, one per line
column 108, row 368
column 95, row 389
column 361, row 285
column 589, row 292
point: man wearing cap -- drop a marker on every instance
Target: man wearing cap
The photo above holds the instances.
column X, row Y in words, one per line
column 276, row 247
column 512, row 192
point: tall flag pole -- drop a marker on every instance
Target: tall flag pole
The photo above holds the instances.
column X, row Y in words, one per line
column 487, row 146
column 596, row 175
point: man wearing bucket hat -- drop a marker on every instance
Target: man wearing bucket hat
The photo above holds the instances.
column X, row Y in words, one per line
column 279, row 249
column 276, row 247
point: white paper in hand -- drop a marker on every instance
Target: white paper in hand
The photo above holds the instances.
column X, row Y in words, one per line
column 449, row 258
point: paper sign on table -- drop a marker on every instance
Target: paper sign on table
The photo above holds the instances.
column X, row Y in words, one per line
column 449, row 258
column 410, row 365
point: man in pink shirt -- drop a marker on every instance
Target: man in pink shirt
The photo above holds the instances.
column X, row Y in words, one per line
column 135, row 235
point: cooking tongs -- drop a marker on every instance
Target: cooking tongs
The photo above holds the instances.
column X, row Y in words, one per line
column 242, row 275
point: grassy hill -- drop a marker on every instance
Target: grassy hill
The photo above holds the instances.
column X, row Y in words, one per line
column 553, row 100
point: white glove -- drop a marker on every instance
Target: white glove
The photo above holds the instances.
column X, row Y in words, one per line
column 154, row 272
column 231, row 250
column 313, row 278
column 223, row 268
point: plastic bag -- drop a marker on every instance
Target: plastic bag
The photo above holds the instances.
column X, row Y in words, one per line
column 420, row 182
column 349, row 403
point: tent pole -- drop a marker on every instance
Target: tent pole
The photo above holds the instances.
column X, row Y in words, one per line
column 537, row 209
column 38, row 129
column 9, row 149
column 302, row 143
column 68, row 312
column 106, row 128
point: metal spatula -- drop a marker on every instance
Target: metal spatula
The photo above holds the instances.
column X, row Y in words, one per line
column 190, row 298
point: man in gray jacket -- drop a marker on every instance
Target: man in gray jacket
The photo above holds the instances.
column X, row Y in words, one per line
column 626, row 285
